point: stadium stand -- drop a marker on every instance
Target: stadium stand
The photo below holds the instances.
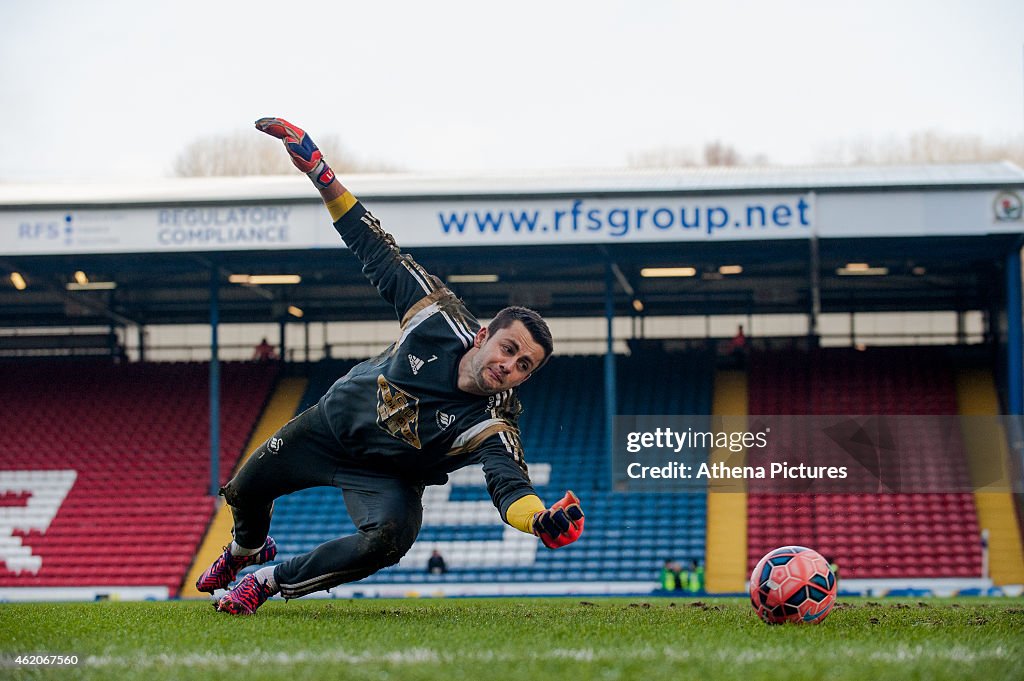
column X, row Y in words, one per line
column 873, row 536
column 104, row 475
column 628, row 535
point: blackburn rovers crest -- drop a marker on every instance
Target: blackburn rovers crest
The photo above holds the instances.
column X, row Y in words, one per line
column 1007, row 207
column 398, row 412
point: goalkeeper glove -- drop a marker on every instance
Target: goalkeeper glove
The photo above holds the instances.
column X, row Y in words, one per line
column 561, row 524
column 305, row 154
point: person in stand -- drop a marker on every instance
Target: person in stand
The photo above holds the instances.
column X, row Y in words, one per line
column 738, row 347
column 436, row 564
column 695, row 577
column 670, row 579
column 441, row 397
column 264, row 352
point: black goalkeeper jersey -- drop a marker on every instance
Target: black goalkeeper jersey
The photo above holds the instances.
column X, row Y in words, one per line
column 402, row 413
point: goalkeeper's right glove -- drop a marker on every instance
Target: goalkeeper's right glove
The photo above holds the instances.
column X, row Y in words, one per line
column 305, row 154
column 561, row 524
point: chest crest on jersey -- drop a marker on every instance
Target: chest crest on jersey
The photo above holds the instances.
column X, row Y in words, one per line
column 398, row 412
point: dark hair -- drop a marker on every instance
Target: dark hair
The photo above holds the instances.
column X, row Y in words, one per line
column 533, row 322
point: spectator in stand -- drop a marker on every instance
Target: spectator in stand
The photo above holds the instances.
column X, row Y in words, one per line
column 738, row 348
column 436, row 564
column 670, row 579
column 695, row 577
column 264, row 352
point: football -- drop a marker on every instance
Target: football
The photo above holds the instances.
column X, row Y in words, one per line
column 792, row 584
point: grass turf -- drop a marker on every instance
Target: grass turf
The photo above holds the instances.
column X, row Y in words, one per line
column 518, row 638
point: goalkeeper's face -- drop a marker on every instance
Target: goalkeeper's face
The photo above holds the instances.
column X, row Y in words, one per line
column 500, row 361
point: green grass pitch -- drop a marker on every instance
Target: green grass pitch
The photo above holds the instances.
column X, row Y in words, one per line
column 518, row 638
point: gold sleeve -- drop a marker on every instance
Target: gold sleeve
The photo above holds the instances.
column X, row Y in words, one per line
column 520, row 514
column 341, row 205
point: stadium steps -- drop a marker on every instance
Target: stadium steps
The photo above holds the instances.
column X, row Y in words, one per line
column 280, row 408
column 727, row 500
column 977, row 397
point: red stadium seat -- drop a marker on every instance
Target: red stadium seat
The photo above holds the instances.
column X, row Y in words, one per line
column 871, row 535
column 137, row 438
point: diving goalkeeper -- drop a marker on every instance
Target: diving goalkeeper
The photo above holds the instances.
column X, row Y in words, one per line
column 441, row 397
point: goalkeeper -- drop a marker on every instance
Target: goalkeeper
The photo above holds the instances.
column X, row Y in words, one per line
column 441, row 397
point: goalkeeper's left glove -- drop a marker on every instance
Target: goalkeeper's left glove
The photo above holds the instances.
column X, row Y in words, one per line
column 305, row 154
column 561, row 524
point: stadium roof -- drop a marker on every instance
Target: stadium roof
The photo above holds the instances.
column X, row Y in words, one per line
column 398, row 185
column 938, row 272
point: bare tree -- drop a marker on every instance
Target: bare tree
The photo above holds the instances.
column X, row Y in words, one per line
column 925, row 147
column 921, row 147
column 245, row 153
column 716, row 153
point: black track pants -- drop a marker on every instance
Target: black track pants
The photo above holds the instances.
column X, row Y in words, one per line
column 387, row 511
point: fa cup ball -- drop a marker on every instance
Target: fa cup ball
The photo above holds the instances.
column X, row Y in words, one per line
column 792, row 584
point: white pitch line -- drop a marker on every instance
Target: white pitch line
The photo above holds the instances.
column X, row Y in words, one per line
column 416, row 656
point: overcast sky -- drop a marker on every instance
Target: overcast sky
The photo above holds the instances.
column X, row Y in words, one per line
column 112, row 89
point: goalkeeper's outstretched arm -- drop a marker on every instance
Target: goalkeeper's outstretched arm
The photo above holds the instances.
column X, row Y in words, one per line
column 400, row 280
column 305, row 156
